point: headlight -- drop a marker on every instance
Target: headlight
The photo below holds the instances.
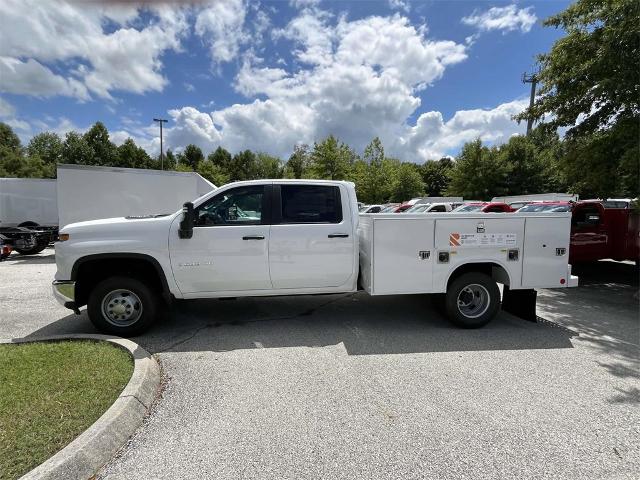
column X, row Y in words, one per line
column 63, row 237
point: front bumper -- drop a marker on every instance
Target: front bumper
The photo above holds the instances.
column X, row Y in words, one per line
column 65, row 293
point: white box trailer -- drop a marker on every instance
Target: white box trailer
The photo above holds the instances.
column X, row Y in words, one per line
column 91, row 193
column 28, row 202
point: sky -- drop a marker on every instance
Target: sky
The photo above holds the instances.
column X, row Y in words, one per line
column 424, row 76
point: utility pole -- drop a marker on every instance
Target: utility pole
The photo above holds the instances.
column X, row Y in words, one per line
column 533, row 80
column 161, row 121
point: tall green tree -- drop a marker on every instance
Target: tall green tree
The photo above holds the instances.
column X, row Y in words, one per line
column 298, row 162
column 170, row 161
column 523, row 166
column 331, row 159
column 379, row 174
column 104, row 150
column 268, row 166
column 436, row 176
column 47, row 146
column 9, row 139
column 212, row 172
column 478, row 173
column 590, row 84
column 221, row 158
column 76, row 149
column 191, row 156
column 244, row 166
column 407, row 183
column 132, row 156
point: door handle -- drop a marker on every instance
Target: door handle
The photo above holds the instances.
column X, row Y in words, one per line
column 338, row 235
column 253, row 237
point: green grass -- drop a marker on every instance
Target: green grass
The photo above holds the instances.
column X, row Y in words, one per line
column 51, row 392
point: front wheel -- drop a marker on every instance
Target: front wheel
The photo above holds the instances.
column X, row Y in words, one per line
column 472, row 300
column 123, row 306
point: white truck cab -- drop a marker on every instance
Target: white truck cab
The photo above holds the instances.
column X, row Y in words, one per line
column 300, row 237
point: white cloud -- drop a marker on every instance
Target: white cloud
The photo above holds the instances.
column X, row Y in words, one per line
column 432, row 137
column 359, row 79
column 507, row 19
column 400, row 5
column 191, row 126
column 220, row 24
column 6, row 109
column 37, row 36
column 32, row 78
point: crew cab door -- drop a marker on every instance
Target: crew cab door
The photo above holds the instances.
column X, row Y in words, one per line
column 229, row 249
column 312, row 237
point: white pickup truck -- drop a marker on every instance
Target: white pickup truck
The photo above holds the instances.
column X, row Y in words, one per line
column 305, row 237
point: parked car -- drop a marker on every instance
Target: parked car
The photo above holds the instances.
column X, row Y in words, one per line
column 546, row 207
column 402, row 208
column 305, row 237
column 486, row 207
column 430, row 207
column 372, row 209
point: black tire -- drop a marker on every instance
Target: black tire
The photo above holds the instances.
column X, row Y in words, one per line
column 482, row 297
column 32, row 251
column 149, row 301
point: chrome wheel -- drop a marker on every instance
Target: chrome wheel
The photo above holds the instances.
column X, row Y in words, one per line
column 473, row 300
column 121, row 308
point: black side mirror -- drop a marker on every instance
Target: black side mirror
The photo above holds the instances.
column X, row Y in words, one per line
column 186, row 224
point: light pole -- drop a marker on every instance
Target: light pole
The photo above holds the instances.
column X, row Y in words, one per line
column 161, row 121
column 533, row 80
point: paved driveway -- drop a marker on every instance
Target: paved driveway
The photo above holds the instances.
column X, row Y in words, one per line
column 350, row 386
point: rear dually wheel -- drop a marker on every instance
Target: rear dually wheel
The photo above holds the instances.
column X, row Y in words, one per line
column 472, row 300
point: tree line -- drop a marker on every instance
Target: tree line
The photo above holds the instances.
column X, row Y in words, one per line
column 589, row 90
column 540, row 162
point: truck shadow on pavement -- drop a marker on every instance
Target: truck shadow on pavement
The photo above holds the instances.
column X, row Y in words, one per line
column 364, row 325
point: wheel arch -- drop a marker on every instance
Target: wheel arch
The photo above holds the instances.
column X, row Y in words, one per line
column 493, row 269
column 87, row 271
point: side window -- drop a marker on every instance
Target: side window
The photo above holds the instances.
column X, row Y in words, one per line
column 375, row 210
column 238, row 206
column 438, row 208
column 310, row 204
column 585, row 216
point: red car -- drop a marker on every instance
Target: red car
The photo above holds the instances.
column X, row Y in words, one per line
column 486, row 207
column 402, row 208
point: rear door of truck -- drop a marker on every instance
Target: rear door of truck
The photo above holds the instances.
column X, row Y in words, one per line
column 312, row 236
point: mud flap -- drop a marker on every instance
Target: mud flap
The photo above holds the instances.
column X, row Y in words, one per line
column 521, row 303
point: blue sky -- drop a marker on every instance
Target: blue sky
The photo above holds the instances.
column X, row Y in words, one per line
column 425, row 76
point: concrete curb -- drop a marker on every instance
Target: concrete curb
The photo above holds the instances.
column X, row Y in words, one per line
column 93, row 448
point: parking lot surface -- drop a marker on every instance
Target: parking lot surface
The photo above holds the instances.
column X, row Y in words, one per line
column 352, row 386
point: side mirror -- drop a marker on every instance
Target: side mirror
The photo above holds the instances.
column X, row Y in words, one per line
column 186, row 224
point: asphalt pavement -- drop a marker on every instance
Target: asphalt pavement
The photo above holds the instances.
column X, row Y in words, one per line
column 359, row 387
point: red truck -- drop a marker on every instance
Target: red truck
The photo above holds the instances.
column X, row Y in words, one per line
column 486, row 207
column 597, row 232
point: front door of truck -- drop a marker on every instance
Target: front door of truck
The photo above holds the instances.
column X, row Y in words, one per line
column 589, row 238
column 312, row 238
column 229, row 249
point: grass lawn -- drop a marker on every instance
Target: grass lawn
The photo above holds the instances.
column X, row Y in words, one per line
column 51, row 392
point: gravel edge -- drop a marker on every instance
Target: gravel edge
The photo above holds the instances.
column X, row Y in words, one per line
column 84, row 456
